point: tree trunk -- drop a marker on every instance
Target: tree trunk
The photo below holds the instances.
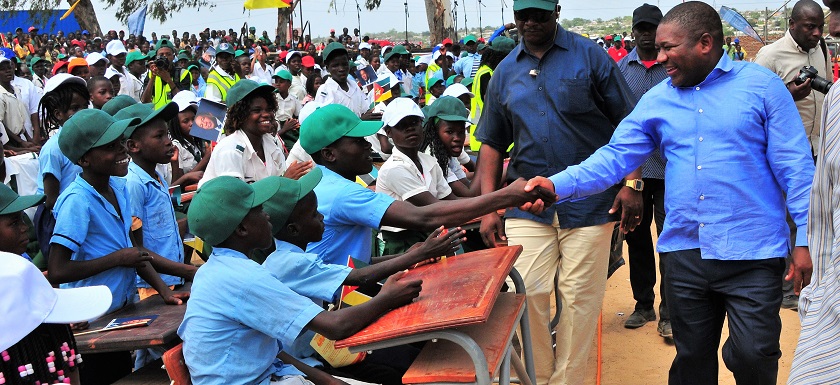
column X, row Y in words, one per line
column 283, row 17
column 439, row 16
column 85, row 15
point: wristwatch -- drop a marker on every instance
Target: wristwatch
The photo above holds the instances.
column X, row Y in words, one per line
column 635, row 184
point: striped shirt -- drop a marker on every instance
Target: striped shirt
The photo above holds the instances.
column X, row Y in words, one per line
column 815, row 360
column 641, row 79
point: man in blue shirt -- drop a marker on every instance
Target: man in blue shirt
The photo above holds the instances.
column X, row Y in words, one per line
column 735, row 160
column 643, row 72
column 559, row 97
column 468, row 65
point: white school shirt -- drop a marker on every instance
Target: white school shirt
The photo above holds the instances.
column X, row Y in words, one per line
column 287, row 108
column 331, row 93
column 234, row 156
column 400, row 179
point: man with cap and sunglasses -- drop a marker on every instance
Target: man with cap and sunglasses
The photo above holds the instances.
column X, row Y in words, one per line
column 642, row 72
column 559, row 98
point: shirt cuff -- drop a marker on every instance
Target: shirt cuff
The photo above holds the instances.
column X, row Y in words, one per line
column 802, row 236
column 563, row 185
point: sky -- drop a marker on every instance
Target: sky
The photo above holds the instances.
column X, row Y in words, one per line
column 391, row 14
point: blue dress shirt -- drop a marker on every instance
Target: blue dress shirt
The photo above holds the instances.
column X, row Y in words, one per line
column 151, row 202
column 557, row 117
column 52, row 161
column 89, row 225
column 736, row 152
column 239, row 317
column 351, row 212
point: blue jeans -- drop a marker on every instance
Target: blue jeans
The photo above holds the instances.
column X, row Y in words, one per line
column 700, row 294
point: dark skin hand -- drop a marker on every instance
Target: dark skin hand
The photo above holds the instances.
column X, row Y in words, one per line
column 435, row 246
column 629, row 201
column 800, row 269
column 800, row 91
column 370, row 115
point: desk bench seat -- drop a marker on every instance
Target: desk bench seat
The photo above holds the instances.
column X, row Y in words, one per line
column 445, row 361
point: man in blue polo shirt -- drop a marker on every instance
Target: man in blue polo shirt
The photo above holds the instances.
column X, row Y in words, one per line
column 734, row 168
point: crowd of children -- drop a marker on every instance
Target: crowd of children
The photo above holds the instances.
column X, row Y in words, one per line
column 278, row 205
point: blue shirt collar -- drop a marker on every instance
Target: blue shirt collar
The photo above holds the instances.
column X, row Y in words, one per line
column 286, row 246
column 117, row 184
column 724, row 66
column 561, row 40
column 144, row 176
column 225, row 252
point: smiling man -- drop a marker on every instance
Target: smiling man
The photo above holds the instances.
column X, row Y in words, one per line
column 737, row 157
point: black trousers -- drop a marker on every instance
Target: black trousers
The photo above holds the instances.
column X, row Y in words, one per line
column 700, row 294
column 641, row 252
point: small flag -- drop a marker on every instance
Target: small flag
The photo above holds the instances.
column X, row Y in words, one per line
column 382, row 89
column 260, row 4
column 69, row 11
column 137, row 22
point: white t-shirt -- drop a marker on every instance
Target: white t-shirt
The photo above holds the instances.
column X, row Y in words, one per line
column 331, row 93
column 234, row 156
column 287, row 108
column 400, row 179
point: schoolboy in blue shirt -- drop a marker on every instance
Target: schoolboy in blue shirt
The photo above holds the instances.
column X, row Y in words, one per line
column 334, row 137
column 296, row 222
column 14, row 231
column 91, row 243
column 240, row 317
column 151, row 204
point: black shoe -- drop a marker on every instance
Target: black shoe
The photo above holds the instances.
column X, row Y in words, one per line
column 664, row 329
column 639, row 318
column 790, row 302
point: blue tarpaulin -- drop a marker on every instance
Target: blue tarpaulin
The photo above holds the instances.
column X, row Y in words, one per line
column 9, row 20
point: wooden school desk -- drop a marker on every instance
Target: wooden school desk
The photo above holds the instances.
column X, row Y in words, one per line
column 459, row 303
column 161, row 332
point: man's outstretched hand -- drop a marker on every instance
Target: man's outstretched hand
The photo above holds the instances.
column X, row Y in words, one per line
column 546, row 188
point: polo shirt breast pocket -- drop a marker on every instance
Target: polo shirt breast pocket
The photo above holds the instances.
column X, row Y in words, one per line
column 161, row 222
column 573, row 96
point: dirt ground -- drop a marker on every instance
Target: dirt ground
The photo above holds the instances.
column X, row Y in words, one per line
column 641, row 357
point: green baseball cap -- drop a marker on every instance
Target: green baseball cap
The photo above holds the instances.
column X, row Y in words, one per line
column 182, row 56
column 502, row 44
column 450, row 80
column 239, row 53
column 467, row 82
column 400, row 49
column 88, row 129
column 548, row 5
column 243, row 88
column 146, row 112
column 220, row 205
column 283, row 74
column 36, row 59
column 134, row 56
column 470, row 39
column 331, row 49
column 330, row 123
column 434, row 80
column 449, row 108
column 480, row 46
column 164, row 43
column 280, row 206
column 391, row 54
column 11, row 202
column 224, row 48
column 118, row 103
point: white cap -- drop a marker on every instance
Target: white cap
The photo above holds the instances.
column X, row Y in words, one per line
column 628, row 38
column 425, row 59
column 115, row 47
column 398, row 109
column 436, row 55
column 3, row 57
column 364, row 45
column 289, row 55
column 450, row 54
column 456, row 90
column 29, row 300
column 185, row 99
column 95, row 57
column 59, row 79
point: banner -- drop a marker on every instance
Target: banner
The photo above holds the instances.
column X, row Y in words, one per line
column 739, row 22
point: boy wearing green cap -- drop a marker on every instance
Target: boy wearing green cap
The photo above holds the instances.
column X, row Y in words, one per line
column 92, row 243
column 14, row 229
column 229, row 336
column 135, row 63
column 337, row 89
column 288, row 108
column 334, row 137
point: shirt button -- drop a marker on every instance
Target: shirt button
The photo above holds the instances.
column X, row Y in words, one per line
column 700, row 138
column 699, row 167
column 540, row 88
column 542, row 113
column 702, row 225
column 700, row 110
column 545, row 140
column 702, row 197
column 698, row 88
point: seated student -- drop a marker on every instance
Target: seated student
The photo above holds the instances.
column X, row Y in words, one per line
column 296, row 222
column 91, row 244
column 444, row 133
column 35, row 323
column 436, row 89
column 101, row 91
column 64, row 95
column 337, row 89
column 240, row 317
column 14, row 230
column 193, row 153
column 288, row 108
column 334, row 137
column 79, row 67
column 249, row 151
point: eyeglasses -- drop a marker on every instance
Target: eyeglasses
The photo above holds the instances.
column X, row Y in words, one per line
column 535, row 15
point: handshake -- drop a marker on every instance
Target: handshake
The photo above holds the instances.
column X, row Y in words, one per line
column 545, row 189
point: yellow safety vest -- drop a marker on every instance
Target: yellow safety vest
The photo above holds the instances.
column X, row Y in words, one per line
column 477, row 104
column 223, row 83
column 433, row 67
column 161, row 97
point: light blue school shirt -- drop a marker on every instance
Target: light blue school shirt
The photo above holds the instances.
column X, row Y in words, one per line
column 736, row 155
column 52, row 161
column 238, row 318
column 418, row 80
column 89, row 225
column 351, row 212
column 465, row 64
column 151, row 202
column 306, row 275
